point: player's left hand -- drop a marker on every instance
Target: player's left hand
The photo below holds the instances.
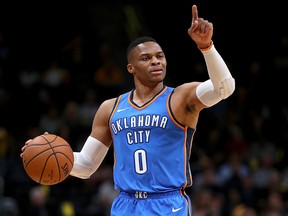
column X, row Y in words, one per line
column 201, row 30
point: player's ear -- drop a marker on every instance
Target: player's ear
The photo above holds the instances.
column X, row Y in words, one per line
column 130, row 68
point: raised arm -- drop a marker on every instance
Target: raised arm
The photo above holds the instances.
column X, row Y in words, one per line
column 221, row 83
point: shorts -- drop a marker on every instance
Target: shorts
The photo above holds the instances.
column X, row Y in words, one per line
column 141, row 203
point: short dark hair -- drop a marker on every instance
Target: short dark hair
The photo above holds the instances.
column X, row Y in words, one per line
column 138, row 41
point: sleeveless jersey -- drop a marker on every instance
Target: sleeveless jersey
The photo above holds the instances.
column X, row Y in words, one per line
column 151, row 149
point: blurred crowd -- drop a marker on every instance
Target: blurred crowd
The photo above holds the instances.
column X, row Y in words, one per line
column 239, row 156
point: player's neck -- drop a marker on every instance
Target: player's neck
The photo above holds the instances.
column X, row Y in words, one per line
column 143, row 94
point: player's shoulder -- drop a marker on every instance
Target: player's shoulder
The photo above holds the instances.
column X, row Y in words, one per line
column 106, row 108
column 109, row 103
column 187, row 86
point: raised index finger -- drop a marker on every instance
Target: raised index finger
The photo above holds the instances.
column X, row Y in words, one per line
column 194, row 13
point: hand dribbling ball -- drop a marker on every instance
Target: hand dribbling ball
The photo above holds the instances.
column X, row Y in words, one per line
column 48, row 159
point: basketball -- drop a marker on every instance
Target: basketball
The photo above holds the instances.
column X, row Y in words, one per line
column 48, row 159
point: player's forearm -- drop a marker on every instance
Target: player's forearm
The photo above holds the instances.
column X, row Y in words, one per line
column 219, row 74
column 87, row 161
column 221, row 83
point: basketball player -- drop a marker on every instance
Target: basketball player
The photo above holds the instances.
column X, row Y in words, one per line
column 152, row 127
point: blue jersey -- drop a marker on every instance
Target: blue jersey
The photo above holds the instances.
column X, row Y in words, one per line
column 152, row 150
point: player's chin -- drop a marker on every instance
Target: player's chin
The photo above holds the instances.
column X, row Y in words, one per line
column 158, row 77
column 155, row 82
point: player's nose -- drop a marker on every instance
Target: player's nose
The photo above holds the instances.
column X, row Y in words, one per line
column 155, row 60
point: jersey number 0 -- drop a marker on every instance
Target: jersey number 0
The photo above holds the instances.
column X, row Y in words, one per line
column 140, row 161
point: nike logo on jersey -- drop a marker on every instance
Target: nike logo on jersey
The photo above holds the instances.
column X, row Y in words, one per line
column 120, row 110
column 177, row 209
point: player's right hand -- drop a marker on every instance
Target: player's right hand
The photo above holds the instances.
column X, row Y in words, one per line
column 26, row 143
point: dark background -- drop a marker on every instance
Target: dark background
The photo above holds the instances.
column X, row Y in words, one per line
column 251, row 29
column 244, row 32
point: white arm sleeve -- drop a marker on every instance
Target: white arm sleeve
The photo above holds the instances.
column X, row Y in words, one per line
column 221, row 83
column 87, row 161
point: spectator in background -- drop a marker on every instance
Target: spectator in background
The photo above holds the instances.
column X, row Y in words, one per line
column 8, row 205
column 38, row 201
column 108, row 76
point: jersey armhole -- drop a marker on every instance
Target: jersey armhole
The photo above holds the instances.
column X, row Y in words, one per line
column 114, row 108
column 170, row 110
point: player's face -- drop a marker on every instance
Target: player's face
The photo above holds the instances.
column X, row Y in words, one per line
column 148, row 63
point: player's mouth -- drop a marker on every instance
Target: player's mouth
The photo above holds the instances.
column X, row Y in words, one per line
column 156, row 71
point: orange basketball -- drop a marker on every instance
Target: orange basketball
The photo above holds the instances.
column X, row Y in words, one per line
column 48, row 159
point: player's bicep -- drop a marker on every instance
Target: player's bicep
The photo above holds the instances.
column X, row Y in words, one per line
column 185, row 104
column 189, row 96
column 100, row 127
